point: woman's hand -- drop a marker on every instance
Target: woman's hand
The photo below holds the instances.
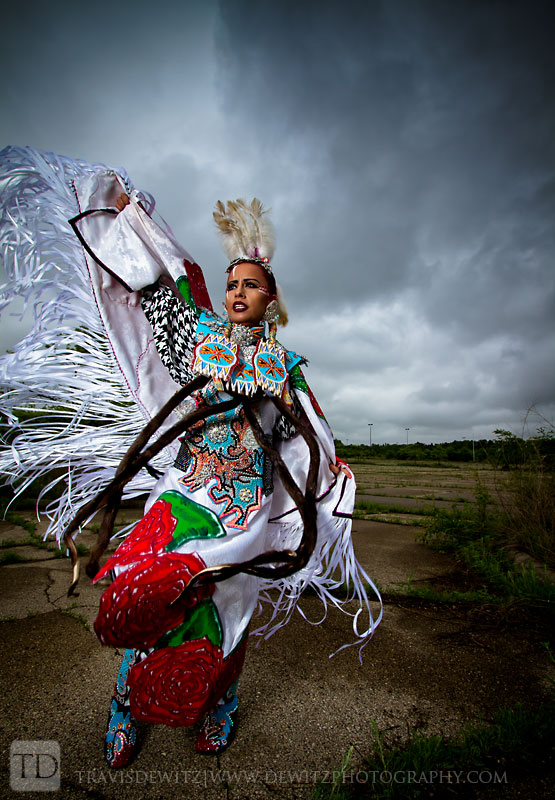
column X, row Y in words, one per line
column 340, row 466
column 122, row 201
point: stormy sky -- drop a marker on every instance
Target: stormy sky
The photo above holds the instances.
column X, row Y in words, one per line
column 406, row 148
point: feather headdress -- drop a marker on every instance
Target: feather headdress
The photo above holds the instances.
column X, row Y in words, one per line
column 247, row 230
column 248, row 235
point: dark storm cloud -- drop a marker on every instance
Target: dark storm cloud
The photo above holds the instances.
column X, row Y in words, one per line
column 125, row 84
column 431, row 132
column 407, row 152
column 426, row 134
column 81, row 75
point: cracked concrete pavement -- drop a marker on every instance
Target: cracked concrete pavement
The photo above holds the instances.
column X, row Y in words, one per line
column 428, row 668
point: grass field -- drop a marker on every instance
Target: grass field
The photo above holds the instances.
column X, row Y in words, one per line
column 421, row 481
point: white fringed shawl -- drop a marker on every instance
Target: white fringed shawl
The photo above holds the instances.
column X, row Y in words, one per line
column 89, row 372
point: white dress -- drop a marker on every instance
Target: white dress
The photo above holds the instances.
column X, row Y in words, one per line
column 218, row 501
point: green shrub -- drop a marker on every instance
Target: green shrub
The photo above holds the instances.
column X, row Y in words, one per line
column 480, row 535
column 527, row 495
column 447, row 530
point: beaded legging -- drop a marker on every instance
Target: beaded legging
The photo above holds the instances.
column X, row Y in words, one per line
column 216, row 733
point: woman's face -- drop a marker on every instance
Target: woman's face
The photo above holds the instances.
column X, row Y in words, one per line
column 247, row 293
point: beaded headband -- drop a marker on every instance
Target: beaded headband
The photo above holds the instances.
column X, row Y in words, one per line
column 256, row 259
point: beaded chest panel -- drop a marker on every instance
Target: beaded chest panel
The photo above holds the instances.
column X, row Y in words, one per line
column 224, row 451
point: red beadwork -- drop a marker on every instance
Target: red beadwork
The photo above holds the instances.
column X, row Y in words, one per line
column 174, row 685
column 135, row 610
column 150, row 536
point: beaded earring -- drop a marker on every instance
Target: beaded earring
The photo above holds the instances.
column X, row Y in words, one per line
column 270, row 316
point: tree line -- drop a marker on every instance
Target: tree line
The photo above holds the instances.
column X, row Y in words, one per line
column 505, row 451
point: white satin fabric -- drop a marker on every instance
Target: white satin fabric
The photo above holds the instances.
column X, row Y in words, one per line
column 142, row 252
column 139, row 251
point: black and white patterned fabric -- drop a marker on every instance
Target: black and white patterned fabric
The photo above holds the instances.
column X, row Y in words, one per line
column 174, row 324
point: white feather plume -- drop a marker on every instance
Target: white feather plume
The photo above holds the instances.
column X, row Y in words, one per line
column 246, row 229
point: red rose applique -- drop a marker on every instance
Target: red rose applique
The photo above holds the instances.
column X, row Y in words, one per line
column 150, row 536
column 174, row 685
column 231, row 669
column 135, row 610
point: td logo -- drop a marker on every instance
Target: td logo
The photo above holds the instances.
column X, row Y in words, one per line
column 35, row 766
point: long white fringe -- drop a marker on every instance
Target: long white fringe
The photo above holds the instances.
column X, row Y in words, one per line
column 333, row 573
column 63, row 371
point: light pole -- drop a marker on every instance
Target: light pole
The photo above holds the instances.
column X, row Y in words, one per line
column 407, row 430
column 370, row 424
column 473, row 451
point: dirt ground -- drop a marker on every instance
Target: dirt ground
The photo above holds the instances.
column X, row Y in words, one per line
column 430, row 667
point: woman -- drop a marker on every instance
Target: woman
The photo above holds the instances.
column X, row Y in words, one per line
column 220, row 468
column 221, row 502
